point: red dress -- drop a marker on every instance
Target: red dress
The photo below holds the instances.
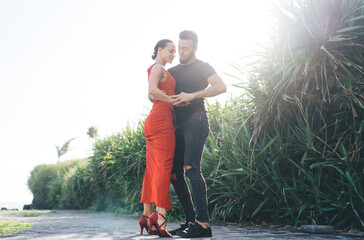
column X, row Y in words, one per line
column 159, row 132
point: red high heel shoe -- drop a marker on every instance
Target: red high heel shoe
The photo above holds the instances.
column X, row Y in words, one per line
column 144, row 224
column 154, row 221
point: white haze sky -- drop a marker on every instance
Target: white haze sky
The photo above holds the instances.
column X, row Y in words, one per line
column 66, row 65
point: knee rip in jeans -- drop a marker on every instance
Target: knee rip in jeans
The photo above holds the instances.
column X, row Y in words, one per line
column 192, row 171
column 187, row 167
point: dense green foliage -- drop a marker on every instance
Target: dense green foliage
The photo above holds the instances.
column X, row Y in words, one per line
column 288, row 150
column 117, row 168
column 307, row 90
column 62, row 185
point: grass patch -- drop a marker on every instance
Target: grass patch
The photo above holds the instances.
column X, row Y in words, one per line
column 8, row 227
column 34, row 213
column 26, row 213
column 31, row 214
column 38, row 211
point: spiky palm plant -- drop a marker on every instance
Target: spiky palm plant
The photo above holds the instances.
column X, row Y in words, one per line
column 315, row 59
column 307, row 88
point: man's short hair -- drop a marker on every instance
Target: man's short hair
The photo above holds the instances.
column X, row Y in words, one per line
column 189, row 35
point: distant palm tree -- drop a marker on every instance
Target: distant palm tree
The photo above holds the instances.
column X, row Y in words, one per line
column 64, row 149
column 92, row 132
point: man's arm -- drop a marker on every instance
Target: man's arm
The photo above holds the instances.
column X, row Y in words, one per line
column 217, row 86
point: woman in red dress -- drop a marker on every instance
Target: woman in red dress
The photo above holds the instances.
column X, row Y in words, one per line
column 159, row 133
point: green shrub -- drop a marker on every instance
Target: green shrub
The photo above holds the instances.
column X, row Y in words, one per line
column 297, row 154
column 49, row 185
column 117, row 169
column 77, row 187
column 38, row 183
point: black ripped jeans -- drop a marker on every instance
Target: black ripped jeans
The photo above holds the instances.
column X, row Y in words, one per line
column 190, row 140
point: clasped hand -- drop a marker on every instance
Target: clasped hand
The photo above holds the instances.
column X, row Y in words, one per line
column 182, row 99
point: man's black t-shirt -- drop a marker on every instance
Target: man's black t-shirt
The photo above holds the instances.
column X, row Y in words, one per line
column 191, row 78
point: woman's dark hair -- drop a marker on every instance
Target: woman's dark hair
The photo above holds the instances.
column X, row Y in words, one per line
column 189, row 35
column 160, row 44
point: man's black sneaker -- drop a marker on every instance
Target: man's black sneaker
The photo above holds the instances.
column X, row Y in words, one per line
column 181, row 228
column 194, row 231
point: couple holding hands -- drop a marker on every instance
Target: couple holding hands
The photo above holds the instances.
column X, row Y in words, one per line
column 176, row 130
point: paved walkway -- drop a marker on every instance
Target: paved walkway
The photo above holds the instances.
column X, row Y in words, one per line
column 65, row 224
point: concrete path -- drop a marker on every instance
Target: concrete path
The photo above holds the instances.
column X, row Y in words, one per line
column 65, row 224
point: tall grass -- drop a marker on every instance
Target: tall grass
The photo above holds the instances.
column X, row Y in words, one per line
column 301, row 144
column 277, row 180
column 117, row 167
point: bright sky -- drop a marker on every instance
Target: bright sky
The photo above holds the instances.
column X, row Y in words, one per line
column 66, row 65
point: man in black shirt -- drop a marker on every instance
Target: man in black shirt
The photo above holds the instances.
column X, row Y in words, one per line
column 195, row 80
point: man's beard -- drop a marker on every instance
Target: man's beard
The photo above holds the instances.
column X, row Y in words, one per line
column 192, row 55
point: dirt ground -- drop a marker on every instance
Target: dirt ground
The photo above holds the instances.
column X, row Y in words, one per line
column 69, row 224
